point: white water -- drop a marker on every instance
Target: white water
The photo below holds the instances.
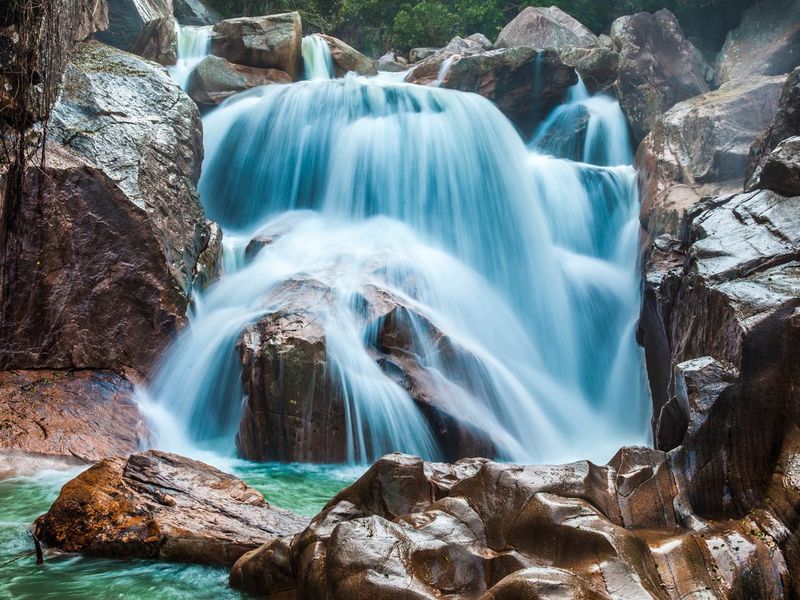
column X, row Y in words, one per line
column 194, row 44
column 527, row 262
column 317, row 60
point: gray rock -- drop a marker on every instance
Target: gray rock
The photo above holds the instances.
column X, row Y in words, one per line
column 127, row 19
column 214, row 80
column 418, row 54
column 158, row 41
column 545, row 28
column 781, row 171
column 766, row 43
column 347, row 59
column 390, row 62
column 194, row 12
column 481, row 39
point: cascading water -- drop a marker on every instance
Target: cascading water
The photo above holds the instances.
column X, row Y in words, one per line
column 194, row 44
column 522, row 259
column 317, row 60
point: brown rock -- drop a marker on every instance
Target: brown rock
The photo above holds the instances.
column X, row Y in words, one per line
column 74, row 416
column 214, row 80
column 158, row 41
column 194, row 12
column 270, row 42
column 127, row 19
column 162, row 506
column 347, row 59
column 540, row 27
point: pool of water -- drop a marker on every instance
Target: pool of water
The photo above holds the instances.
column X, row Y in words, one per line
column 302, row 488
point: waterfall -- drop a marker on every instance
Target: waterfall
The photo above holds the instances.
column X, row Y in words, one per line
column 194, row 44
column 523, row 258
column 317, row 60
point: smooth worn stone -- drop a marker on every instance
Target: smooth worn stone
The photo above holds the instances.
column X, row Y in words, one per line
column 162, row 506
column 541, row 27
column 194, row 12
column 347, row 59
column 214, row 80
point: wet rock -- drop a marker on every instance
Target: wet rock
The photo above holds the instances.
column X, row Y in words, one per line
column 781, row 171
column 766, row 43
column 482, row 40
column 270, row 42
column 391, row 62
column 347, row 59
column 194, row 12
column 76, row 417
column 658, row 67
column 596, row 66
column 162, row 506
column 700, row 148
column 418, row 54
column 428, row 70
column 540, row 27
column 158, row 41
column 127, row 19
column 214, row 80
column 106, row 253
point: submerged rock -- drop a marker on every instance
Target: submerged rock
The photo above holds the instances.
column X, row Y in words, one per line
column 347, row 59
column 269, row 42
column 658, row 67
column 214, row 80
column 127, row 19
column 162, row 506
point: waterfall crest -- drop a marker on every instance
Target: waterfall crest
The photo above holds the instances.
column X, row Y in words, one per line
column 194, row 44
column 317, row 60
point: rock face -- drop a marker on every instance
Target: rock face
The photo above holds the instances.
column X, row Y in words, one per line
column 392, row 63
column 158, row 41
column 524, row 83
column 270, row 42
column 781, row 171
column 106, row 249
column 214, row 79
column 72, row 416
column 418, row 54
column 128, row 18
column 540, row 27
column 658, row 67
column 194, row 12
column 700, row 147
column 766, row 43
column 162, row 506
column 295, row 411
column 479, row 529
column 347, row 59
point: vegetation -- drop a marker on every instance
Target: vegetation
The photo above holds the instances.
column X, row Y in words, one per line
column 375, row 26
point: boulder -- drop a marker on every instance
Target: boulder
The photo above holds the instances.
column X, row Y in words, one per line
column 347, row 59
column 657, row 69
column 162, row 506
column 541, row 27
column 106, row 246
column 127, row 20
column 75, row 417
column 596, row 66
column 700, row 148
column 482, row 40
column 194, row 12
column 766, row 43
column 418, row 54
column 158, row 41
column 781, row 170
column 270, row 42
column 392, row 62
column 524, row 83
column 785, row 124
column 214, row 79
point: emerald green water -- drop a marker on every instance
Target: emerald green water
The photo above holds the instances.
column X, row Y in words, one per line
column 301, row 488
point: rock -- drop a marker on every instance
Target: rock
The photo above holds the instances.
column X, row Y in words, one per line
column 418, row 54
column 429, row 69
column 158, row 41
column 162, row 506
column 347, row 59
column 700, row 148
column 390, row 62
column 785, row 124
column 658, row 67
column 295, row 409
column 596, row 66
column 482, row 40
column 127, row 19
column 194, row 12
column 106, row 252
column 781, row 171
column 270, row 42
column 541, row 28
column 524, row 83
column 766, row 43
column 73, row 416
column 214, row 80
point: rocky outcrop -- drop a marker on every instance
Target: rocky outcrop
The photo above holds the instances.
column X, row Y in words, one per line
column 105, row 252
column 214, row 80
column 162, row 506
column 418, row 54
column 295, row 409
column 485, row 530
column 194, row 12
column 269, row 42
column 766, row 43
column 347, row 59
column 657, row 69
column 127, row 19
column 524, row 83
column 392, row 62
column 781, row 170
column 541, row 27
column 158, row 41
column 75, row 417
column 700, row 148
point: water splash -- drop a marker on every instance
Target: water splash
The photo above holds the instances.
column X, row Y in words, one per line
column 194, row 44
column 317, row 59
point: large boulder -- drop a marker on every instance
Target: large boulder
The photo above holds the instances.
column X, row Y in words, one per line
column 781, row 170
column 541, row 27
column 75, row 417
column 214, row 80
column 657, row 69
column 105, row 250
column 127, row 19
column 766, row 43
column 270, row 42
column 194, row 12
column 524, row 83
column 347, row 59
column 162, row 506
column 158, row 41
column 700, row 147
